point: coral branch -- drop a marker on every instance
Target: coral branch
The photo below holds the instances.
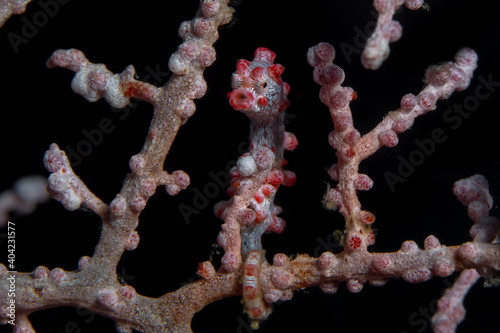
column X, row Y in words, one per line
column 352, row 148
column 473, row 193
column 450, row 308
column 442, row 80
column 94, row 285
column 67, row 187
column 411, row 263
column 9, row 7
column 173, row 105
column 236, row 212
column 94, row 81
column 387, row 31
column 259, row 92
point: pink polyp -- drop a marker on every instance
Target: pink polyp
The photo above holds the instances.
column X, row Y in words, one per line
column 417, row 275
column 320, row 54
column 431, row 243
column 381, row 263
column 326, row 260
column 408, row 102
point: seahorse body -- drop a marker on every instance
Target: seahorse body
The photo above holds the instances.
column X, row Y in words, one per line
column 260, row 93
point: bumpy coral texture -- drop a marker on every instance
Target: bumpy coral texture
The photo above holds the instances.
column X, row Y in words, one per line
column 259, row 92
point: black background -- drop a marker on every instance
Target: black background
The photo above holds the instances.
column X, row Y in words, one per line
column 38, row 108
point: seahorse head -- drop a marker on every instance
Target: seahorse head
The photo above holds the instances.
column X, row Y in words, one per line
column 258, row 90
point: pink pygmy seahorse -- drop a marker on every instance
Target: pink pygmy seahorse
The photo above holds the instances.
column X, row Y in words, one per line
column 260, row 93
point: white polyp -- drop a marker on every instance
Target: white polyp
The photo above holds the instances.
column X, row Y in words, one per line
column 137, row 164
column 41, row 272
column 414, row 4
column 60, row 183
column 57, row 274
column 187, row 108
column 80, row 84
column 114, row 93
column 375, row 52
column 83, row 85
column 246, row 165
column 184, row 29
column 177, row 64
column 71, row 201
column 107, row 297
column 172, row 189
column 84, row 262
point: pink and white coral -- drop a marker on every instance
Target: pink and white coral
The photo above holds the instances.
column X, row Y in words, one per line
column 171, row 240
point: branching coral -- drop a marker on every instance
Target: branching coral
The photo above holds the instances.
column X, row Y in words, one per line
column 262, row 274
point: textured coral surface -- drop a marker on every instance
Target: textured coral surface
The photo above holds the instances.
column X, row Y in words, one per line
column 177, row 233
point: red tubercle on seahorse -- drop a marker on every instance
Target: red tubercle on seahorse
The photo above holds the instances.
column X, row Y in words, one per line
column 254, row 305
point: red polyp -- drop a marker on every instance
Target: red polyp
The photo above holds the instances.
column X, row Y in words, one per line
column 264, row 54
column 235, row 182
column 284, row 105
column 205, row 270
column 241, row 99
column 255, row 312
column 231, row 191
column 250, row 292
column 278, row 225
column 234, row 173
column 258, row 73
column 260, row 216
column 354, row 242
column 366, row 217
column 290, row 178
column 219, row 209
column 370, row 238
column 290, row 141
column 350, row 153
column 286, row 88
column 354, row 96
column 242, row 67
column 259, row 197
column 275, row 71
column 250, row 270
column 262, row 101
column 276, row 177
column 268, row 190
